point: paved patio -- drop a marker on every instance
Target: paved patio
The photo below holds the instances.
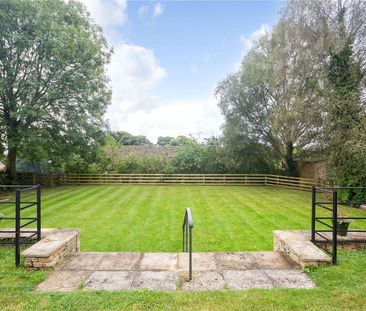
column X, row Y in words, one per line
column 169, row 272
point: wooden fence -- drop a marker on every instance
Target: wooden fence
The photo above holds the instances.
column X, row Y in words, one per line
column 192, row 179
column 46, row 180
column 49, row 180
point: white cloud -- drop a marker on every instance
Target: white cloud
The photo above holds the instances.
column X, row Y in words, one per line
column 200, row 118
column 134, row 72
column 109, row 13
column 158, row 9
column 152, row 11
column 143, row 11
column 255, row 35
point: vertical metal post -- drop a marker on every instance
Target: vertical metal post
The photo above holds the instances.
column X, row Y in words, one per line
column 313, row 206
column 183, row 232
column 186, row 234
column 334, row 242
column 190, row 253
column 38, row 212
column 17, row 228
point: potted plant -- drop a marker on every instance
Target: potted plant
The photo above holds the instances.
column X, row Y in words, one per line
column 342, row 224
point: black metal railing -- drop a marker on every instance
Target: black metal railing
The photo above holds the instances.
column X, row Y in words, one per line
column 327, row 198
column 187, row 237
column 25, row 198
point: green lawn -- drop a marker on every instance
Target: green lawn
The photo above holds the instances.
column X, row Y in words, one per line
column 341, row 287
column 149, row 218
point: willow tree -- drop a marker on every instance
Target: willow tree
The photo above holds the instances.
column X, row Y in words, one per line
column 271, row 96
column 53, row 85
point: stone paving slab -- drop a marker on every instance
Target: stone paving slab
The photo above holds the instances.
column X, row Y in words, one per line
column 159, row 261
column 155, row 280
column 290, row 279
column 235, row 261
column 245, row 279
column 63, row 281
column 169, row 271
column 83, row 261
column 120, row 261
column 110, row 280
column 200, row 261
column 273, row 261
column 203, row 281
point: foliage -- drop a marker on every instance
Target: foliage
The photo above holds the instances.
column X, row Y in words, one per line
column 243, row 154
column 127, row 139
column 53, row 87
column 182, row 141
column 346, row 124
column 190, row 159
column 270, row 99
column 5, row 179
column 334, row 35
column 164, row 140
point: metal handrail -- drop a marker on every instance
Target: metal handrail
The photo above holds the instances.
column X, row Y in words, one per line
column 18, row 241
column 187, row 235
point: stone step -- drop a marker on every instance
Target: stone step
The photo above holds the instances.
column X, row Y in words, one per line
column 169, row 271
column 52, row 249
column 296, row 244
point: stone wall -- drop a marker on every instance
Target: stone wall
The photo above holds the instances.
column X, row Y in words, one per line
column 53, row 249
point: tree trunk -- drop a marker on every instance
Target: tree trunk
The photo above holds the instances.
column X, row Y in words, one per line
column 11, row 162
column 289, row 160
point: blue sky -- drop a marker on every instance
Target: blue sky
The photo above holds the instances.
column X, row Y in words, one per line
column 170, row 55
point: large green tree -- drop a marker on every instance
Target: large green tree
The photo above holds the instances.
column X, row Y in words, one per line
column 270, row 97
column 53, row 85
column 335, row 34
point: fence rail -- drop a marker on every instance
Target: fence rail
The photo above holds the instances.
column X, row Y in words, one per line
column 200, row 179
column 176, row 179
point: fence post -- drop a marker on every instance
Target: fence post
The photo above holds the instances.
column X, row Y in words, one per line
column 313, row 206
column 335, row 212
column 17, row 228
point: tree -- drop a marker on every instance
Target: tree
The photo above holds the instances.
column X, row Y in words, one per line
column 326, row 26
column 126, row 139
column 335, row 33
column 346, row 123
column 164, row 140
column 53, row 85
column 182, row 141
column 270, row 97
column 243, row 154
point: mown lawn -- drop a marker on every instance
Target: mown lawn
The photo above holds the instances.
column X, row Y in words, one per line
column 149, row 218
column 341, row 287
